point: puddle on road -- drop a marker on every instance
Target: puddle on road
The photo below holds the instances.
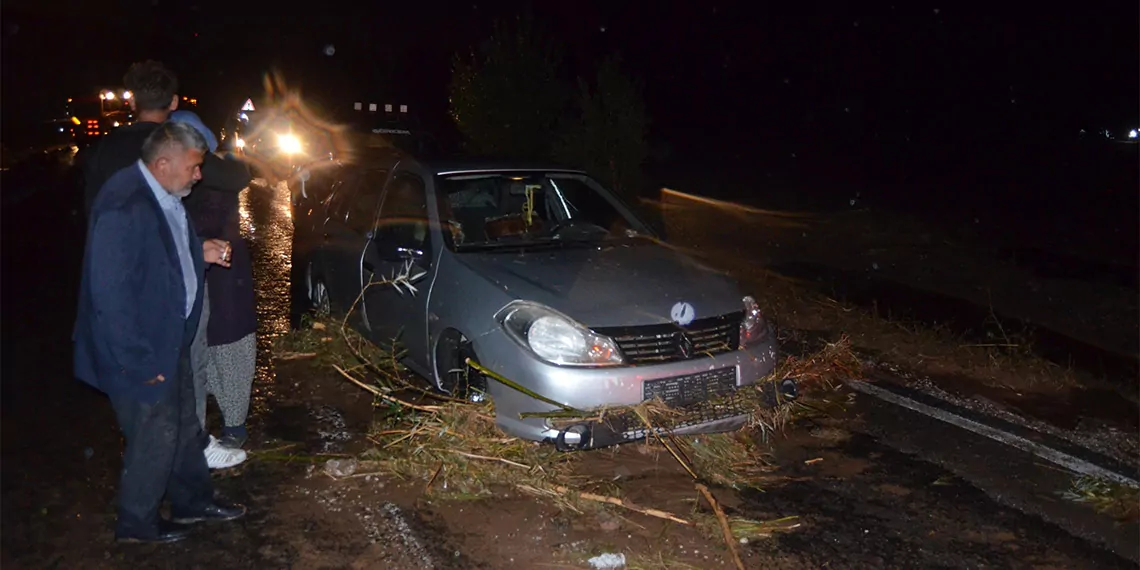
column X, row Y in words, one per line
column 320, row 428
column 962, row 317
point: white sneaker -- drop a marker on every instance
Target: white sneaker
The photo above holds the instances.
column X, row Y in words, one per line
column 219, row 456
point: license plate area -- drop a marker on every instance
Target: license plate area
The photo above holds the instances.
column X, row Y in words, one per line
column 681, row 391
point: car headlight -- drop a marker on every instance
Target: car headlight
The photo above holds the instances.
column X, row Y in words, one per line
column 289, row 143
column 556, row 338
column 753, row 327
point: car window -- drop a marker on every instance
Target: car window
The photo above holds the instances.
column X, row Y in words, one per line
column 586, row 203
column 363, row 203
column 404, row 215
column 490, row 209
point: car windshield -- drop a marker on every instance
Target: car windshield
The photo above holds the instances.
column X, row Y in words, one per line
column 504, row 209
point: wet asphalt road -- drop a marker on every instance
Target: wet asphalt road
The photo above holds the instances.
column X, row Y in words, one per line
column 894, row 488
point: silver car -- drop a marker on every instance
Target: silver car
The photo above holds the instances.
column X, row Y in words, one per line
column 544, row 278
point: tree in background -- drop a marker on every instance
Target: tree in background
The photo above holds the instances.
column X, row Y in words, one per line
column 608, row 136
column 506, row 97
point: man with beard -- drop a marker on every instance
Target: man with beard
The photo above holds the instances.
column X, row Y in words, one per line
column 140, row 301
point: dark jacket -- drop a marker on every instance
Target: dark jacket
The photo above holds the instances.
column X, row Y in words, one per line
column 213, row 207
column 130, row 326
column 118, row 150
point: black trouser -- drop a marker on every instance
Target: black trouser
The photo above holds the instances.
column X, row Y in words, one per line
column 164, row 456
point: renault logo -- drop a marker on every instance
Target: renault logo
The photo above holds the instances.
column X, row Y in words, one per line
column 684, row 344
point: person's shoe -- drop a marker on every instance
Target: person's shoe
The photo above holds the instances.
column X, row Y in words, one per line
column 215, row 512
column 219, row 456
column 168, row 532
column 232, row 441
column 234, row 437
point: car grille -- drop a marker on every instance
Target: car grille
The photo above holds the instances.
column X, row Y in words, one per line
column 655, row 344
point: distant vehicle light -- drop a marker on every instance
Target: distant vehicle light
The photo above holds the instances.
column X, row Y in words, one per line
column 109, row 96
column 239, row 142
column 289, row 143
column 127, row 94
column 116, row 123
column 1132, row 134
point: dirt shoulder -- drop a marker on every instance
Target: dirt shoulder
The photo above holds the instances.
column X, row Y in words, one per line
column 916, row 301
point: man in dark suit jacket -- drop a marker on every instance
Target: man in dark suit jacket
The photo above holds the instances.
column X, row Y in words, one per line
column 139, row 303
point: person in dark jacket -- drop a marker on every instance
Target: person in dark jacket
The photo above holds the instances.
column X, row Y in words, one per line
column 154, row 95
column 140, row 302
column 230, row 346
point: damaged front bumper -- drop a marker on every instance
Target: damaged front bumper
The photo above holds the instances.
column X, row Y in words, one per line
column 704, row 393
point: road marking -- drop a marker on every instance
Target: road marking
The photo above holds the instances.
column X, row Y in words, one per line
column 1061, row 458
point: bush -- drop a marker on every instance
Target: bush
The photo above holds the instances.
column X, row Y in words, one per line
column 608, row 137
column 506, row 97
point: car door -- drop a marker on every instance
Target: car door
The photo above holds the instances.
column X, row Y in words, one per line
column 310, row 210
column 398, row 265
column 316, row 248
column 311, row 197
column 343, row 238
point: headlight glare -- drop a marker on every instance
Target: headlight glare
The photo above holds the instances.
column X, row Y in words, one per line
column 556, row 338
column 289, row 143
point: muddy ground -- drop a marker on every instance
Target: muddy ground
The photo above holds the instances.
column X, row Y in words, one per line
column 872, row 485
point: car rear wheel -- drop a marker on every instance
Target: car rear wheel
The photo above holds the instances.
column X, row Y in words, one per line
column 319, row 294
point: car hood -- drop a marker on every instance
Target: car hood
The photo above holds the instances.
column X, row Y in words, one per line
column 614, row 285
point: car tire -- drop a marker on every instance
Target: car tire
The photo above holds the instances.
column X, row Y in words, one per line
column 319, row 294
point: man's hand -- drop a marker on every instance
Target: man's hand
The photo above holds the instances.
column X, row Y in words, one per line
column 217, row 251
column 155, row 380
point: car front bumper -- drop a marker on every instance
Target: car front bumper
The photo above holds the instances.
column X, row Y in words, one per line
column 594, row 389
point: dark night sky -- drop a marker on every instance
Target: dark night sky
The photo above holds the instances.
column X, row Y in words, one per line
column 743, row 71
